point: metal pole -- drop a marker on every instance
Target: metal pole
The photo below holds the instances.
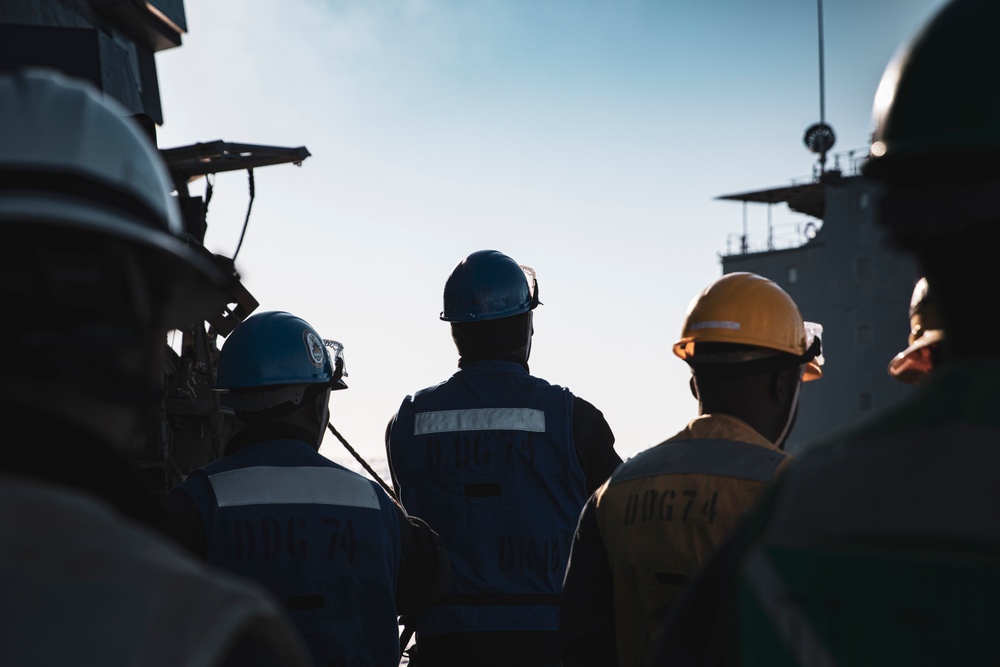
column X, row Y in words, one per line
column 770, row 227
column 745, row 241
column 822, row 94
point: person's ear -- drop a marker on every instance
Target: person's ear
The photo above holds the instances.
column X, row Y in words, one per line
column 782, row 383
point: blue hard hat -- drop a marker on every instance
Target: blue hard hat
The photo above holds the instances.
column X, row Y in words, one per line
column 278, row 348
column 488, row 285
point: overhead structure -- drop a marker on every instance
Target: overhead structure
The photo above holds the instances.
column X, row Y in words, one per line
column 819, row 137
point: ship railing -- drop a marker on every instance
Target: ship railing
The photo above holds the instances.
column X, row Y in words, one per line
column 780, row 236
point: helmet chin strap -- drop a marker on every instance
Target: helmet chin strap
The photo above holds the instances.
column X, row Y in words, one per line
column 792, row 409
column 324, row 418
column 531, row 333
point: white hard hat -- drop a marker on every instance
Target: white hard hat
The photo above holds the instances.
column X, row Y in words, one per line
column 70, row 158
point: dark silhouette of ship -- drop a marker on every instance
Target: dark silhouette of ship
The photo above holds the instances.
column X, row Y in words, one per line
column 837, row 264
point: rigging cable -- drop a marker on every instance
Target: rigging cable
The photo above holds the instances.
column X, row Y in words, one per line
column 247, row 220
column 371, row 471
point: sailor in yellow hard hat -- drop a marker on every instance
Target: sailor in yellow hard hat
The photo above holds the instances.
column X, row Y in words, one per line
column 662, row 512
column 913, row 364
column 880, row 545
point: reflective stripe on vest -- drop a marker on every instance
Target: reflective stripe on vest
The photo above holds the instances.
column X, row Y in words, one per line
column 723, row 458
column 275, row 485
column 480, row 419
column 487, row 459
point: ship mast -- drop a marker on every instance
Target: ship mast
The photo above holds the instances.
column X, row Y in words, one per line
column 819, row 137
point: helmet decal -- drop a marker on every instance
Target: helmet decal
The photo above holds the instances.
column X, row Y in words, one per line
column 315, row 347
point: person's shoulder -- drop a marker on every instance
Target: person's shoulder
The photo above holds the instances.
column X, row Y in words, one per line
column 685, row 452
column 87, row 540
column 93, row 532
column 220, row 464
column 643, row 457
column 581, row 404
column 162, row 570
column 196, row 481
column 424, row 391
column 551, row 385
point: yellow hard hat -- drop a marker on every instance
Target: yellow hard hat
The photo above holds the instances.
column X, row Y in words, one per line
column 747, row 309
column 926, row 328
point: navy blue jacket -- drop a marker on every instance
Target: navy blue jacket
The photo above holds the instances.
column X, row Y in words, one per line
column 328, row 542
column 490, row 459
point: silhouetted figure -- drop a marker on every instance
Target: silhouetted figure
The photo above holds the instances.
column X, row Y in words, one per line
column 499, row 463
column 653, row 524
column 339, row 553
column 880, row 546
column 93, row 273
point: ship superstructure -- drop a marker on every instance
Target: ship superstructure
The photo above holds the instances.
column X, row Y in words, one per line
column 830, row 255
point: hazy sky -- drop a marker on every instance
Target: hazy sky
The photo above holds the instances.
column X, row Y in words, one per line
column 586, row 139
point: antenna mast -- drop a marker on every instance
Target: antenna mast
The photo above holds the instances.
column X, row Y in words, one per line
column 822, row 99
column 819, row 137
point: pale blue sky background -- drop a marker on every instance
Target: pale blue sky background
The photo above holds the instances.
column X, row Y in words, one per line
column 587, row 139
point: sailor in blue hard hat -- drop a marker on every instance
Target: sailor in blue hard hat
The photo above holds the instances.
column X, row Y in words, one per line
column 500, row 463
column 341, row 555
